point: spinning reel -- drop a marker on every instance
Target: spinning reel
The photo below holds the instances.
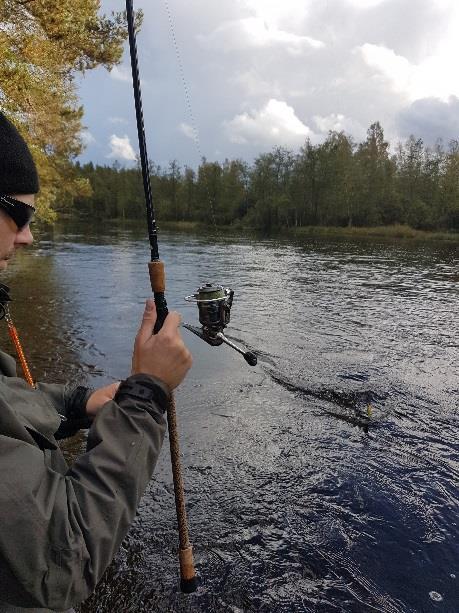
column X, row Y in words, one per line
column 214, row 306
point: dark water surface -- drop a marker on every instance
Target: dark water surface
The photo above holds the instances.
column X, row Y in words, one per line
column 298, row 499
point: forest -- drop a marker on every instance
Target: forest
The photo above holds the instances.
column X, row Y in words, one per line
column 335, row 183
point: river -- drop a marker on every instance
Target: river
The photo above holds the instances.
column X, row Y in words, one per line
column 324, row 479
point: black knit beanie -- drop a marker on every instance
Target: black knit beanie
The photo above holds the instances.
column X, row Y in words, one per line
column 18, row 174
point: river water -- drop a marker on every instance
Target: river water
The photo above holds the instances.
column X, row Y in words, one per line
column 324, row 479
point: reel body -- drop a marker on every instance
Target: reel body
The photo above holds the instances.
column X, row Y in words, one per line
column 214, row 306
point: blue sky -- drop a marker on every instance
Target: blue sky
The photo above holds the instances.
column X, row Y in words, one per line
column 262, row 73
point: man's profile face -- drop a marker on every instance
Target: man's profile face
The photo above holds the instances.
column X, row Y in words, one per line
column 11, row 237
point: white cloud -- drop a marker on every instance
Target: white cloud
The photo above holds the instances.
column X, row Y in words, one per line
column 254, row 32
column 120, row 73
column 188, row 131
column 395, row 68
column 121, row 148
column 337, row 122
column 279, row 11
column 435, row 76
column 117, row 120
column 365, row 4
column 254, row 85
column 87, row 138
column 275, row 123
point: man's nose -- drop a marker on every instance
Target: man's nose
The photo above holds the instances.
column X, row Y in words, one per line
column 24, row 236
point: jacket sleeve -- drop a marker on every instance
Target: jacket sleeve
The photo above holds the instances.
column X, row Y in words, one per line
column 70, row 403
column 60, row 532
column 68, row 400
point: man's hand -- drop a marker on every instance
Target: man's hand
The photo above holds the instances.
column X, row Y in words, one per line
column 98, row 398
column 162, row 355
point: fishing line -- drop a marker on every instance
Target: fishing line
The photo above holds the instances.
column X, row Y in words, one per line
column 189, row 106
column 214, row 301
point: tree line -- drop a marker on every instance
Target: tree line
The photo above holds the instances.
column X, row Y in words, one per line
column 335, row 183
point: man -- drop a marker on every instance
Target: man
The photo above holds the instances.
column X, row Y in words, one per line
column 60, row 527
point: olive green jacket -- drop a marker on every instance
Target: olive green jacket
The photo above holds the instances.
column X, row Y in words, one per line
column 60, row 527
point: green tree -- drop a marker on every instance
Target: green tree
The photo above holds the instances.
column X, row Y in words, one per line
column 339, row 180
column 308, row 184
column 234, row 194
column 188, row 194
column 170, row 193
column 208, row 192
column 448, row 210
column 377, row 202
column 410, row 162
column 271, row 189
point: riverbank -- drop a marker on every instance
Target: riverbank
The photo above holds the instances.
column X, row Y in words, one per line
column 390, row 232
column 397, row 231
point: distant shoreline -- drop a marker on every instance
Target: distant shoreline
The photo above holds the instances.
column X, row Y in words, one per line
column 392, row 232
column 398, row 231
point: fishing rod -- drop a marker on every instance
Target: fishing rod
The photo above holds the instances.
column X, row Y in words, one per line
column 188, row 578
column 214, row 305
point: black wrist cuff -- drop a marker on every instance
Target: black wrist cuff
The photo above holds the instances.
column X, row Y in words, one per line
column 75, row 417
column 76, row 404
column 144, row 388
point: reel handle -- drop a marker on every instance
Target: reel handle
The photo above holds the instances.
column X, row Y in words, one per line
column 250, row 358
column 219, row 338
column 188, row 576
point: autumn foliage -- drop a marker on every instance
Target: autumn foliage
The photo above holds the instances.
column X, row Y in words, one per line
column 43, row 45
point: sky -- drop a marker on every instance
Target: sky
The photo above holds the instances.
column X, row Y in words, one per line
column 235, row 78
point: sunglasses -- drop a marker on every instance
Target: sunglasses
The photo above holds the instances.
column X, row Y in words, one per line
column 20, row 212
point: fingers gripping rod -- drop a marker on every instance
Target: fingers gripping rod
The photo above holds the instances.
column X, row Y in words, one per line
column 188, row 579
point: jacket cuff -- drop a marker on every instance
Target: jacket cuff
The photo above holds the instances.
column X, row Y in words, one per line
column 76, row 417
column 76, row 403
column 144, row 389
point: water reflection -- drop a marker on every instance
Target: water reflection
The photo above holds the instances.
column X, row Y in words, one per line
column 46, row 315
column 299, row 499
